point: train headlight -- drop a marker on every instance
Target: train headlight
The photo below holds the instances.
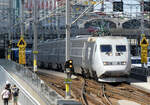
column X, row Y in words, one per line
column 107, row 63
column 123, row 63
column 110, row 54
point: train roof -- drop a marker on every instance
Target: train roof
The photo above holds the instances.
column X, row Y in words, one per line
column 89, row 38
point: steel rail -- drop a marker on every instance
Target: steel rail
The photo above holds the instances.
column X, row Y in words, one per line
column 84, row 100
column 106, row 98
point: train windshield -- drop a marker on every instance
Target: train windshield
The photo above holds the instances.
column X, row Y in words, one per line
column 106, row 48
column 148, row 59
column 120, row 48
column 136, row 61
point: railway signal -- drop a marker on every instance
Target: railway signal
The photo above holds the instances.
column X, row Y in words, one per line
column 69, row 65
column 68, row 90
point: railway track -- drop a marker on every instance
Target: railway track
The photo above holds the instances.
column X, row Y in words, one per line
column 90, row 92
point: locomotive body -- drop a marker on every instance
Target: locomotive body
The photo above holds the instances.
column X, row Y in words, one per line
column 103, row 58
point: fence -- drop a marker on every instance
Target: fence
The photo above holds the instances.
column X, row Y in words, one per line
column 44, row 91
column 24, row 97
column 140, row 73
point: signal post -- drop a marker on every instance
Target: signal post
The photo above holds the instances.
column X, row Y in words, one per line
column 9, row 31
column 68, row 70
column 35, row 22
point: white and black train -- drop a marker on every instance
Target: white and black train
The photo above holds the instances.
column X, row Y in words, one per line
column 104, row 58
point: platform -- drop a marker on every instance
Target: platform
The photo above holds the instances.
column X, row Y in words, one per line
column 145, row 86
column 32, row 92
column 127, row 102
column 142, row 85
column 29, row 89
column 26, row 89
column 1, row 102
column 10, row 102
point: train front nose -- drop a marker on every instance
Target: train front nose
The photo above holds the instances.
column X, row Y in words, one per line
column 114, row 69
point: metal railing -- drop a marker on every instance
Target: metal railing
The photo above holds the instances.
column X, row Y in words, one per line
column 141, row 71
column 41, row 88
column 24, row 97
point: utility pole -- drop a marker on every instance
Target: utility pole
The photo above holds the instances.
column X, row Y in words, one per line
column 102, row 6
column 68, row 90
column 102, row 26
column 57, row 22
column 35, row 37
column 142, row 25
column 9, row 31
column 22, row 47
column 22, row 18
column 69, row 62
column 142, row 18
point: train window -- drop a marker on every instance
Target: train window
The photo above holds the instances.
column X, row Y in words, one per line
column 136, row 61
column 120, row 48
column 133, row 61
column 148, row 59
column 106, row 48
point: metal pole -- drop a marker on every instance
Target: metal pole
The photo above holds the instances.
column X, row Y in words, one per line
column 102, row 6
column 5, row 39
column 142, row 17
column 67, row 30
column 142, row 21
column 35, row 36
column 68, row 93
column 57, row 22
column 102, row 26
column 9, row 33
column 22, row 19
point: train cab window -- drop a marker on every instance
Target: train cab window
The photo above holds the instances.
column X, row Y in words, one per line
column 136, row 61
column 148, row 59
column 106, row 48
column 120, row 48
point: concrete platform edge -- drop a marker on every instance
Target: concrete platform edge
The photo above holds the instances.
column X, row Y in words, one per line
column 142, row 86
